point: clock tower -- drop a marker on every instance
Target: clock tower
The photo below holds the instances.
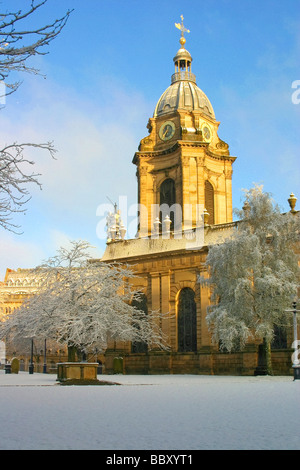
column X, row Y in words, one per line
column 184, row 173
column 182, row 164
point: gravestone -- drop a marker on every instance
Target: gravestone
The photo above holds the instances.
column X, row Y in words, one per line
column 118, row 365
column 15, row 365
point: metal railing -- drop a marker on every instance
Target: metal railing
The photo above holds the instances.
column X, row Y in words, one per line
column 184, row 75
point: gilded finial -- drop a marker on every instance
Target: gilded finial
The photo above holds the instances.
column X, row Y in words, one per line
column 183, row 30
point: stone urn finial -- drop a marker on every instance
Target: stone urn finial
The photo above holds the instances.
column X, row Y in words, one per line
column 206, row 217
column 292, row 202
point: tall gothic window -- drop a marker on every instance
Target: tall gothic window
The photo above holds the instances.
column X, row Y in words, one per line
column 167, row 196
column 141, row 304
column 209, row 202
column 187, row 324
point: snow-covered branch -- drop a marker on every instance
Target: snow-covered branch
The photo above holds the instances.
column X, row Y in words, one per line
column 254, row 274
column 84, row 304
column 18, row 43
column 15, row 175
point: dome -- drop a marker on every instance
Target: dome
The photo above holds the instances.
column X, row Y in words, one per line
column 183, row 93
column 183, row 54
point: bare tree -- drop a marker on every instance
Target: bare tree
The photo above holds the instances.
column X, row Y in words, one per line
column 14, row 177
column 17, row 46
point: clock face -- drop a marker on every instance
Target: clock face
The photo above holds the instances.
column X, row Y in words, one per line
column 206, row 133
column 167, row 130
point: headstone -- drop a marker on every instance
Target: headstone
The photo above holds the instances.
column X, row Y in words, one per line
column 15, row 365
column 118, row 365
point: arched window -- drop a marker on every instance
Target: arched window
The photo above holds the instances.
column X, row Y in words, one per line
column 187, row 321
column 167, row 197
column 209, row 202
column 141, row 304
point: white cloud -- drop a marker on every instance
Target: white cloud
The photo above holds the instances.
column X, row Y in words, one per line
column 90, row 153
column 61, row 239
column 95, row 141
column 16, row 253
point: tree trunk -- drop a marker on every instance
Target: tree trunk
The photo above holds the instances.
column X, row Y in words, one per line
column 71, row 353
column 264, row 366
column 267, row 352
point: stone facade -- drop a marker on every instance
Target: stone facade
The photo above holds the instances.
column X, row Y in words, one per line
column 162, row 274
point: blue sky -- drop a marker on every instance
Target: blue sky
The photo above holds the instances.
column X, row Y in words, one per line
column 104, row 76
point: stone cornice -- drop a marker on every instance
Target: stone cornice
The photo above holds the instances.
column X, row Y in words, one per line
column 182, row 144
column 154, row 153
column 146, row 257
column 229, row 158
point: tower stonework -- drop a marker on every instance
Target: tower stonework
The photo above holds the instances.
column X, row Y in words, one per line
column 184, row 149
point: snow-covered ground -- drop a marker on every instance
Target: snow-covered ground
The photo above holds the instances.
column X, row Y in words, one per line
column 183, row 412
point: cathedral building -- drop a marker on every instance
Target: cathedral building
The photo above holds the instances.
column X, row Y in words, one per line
column 184, row 177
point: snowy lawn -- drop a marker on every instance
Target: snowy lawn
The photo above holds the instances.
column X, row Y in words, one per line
column 178, row 412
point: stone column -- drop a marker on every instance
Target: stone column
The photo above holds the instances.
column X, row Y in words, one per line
column 185, row 192
column 143, row 218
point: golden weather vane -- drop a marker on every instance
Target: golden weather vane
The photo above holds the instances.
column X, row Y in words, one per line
column 181, row 27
